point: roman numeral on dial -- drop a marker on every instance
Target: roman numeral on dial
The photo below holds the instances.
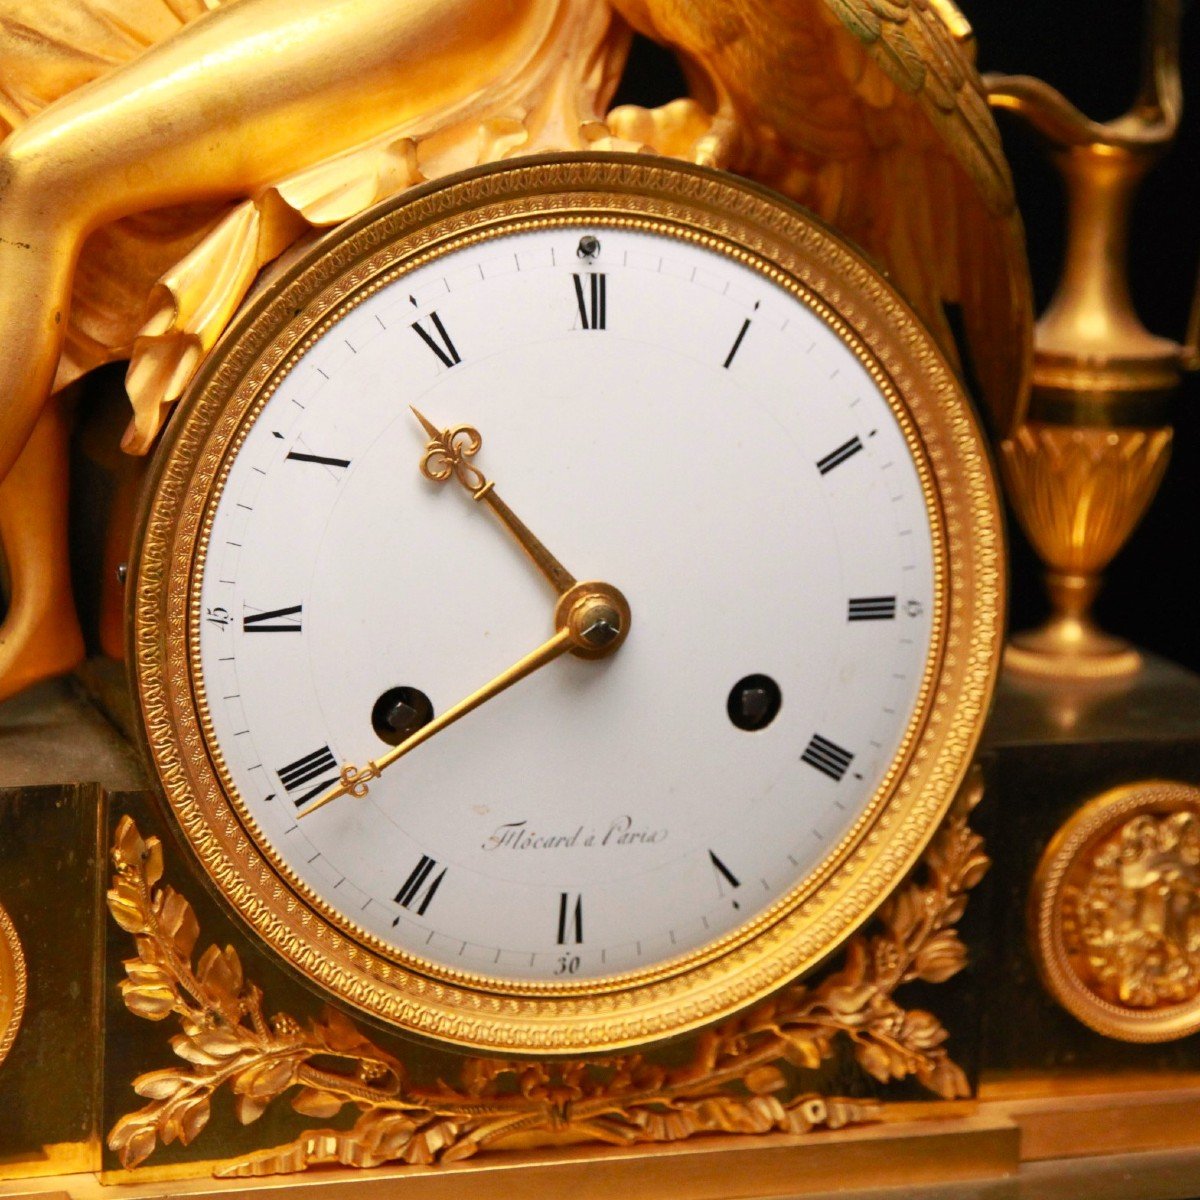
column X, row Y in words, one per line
column 570, row 919
column 828, row 757
column 872, row 608
column 835, row 458
column 296, row 776
column 591, row 299
column 724, row 875
column 300, row 456
column 278, row 620
column 438, row 341
column 419, row 889
column 737, row 341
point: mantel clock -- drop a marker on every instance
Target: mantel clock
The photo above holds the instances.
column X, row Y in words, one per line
column 553, row 605
column 531, row 807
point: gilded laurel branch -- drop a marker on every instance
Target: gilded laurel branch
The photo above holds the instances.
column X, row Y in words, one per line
column 742, row 1076
column 225, row 1038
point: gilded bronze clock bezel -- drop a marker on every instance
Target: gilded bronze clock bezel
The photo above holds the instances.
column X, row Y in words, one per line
column 797, row 252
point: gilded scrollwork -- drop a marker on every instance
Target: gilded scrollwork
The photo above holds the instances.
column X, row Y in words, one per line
column 741, row 1077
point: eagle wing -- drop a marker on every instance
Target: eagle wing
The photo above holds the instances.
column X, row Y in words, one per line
column 870, row 113
column 979, row 261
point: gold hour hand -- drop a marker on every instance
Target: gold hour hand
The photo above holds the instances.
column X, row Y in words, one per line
column 592, row 619
column 446, row 455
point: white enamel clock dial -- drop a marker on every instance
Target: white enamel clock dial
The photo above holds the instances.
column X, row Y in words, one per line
column 684, row 396
column 665, row 419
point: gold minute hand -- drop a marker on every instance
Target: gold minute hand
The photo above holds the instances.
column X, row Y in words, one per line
column 354, row 780
column 446, row 455
column 592, row 619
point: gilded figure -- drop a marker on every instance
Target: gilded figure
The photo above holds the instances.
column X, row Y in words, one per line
column 159, row 155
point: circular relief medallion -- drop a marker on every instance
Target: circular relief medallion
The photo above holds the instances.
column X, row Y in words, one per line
column 1116, row 913
column 12, row 984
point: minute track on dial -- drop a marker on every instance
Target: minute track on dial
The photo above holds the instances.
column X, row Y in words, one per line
column 702, row 495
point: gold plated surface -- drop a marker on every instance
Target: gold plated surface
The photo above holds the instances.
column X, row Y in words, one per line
column 1136, row 1145
column 295, row 141
column 958, row 1152
column 733, row 1082
column 14, row 984
column 189, row 144
column 822, row 910
column 1079, row 491
column 1090, row 337
column 1115, row 912
column 1084, row 469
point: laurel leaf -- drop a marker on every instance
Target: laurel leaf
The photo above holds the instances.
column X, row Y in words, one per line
column 152, row 861
column 974, row 871
column 854, row 969
column 266, row 1081
column 141, row 972
column 132, row 1140
column 903, row 912
column 477, row 1075
column 945, row 1078
column 874, row 1059
column 802, row 1051
column 954, row 910
column 941, row 957
column 340, row 1033
column 314, row 1103
column 178, row 922
column 128, row 848
column 386, row 1134
column 161, row 1085
column 460, row 1150
column 125, row 904
column 248, row 1108
column 193, row 1117
column 217, row 975
column 921, row 1030
column 151, row 1001
column 209, row 1047
column 848, row 1002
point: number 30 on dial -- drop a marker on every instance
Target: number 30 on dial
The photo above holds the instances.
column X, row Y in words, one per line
column 568, row 603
